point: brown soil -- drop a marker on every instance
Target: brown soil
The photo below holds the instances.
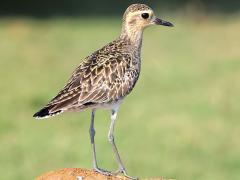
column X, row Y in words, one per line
column 80, row 174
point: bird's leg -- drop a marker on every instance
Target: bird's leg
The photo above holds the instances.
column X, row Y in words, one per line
column 92, row 134
column 111, row 140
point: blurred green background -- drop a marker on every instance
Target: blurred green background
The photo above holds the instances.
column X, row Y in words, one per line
column 180, row 122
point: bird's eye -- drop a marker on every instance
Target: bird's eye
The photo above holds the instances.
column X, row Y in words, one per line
column 145, row 15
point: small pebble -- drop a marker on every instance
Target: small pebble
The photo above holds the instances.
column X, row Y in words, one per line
column 79, row 178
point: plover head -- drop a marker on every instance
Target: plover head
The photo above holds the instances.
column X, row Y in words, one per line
column 139, row 16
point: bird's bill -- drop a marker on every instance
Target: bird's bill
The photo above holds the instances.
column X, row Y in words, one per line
column 158, row 21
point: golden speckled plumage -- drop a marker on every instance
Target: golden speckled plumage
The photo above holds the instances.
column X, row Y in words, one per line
column 104, row 77
column 137, row 7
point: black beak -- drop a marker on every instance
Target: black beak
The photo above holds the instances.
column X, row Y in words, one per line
column 158, row 21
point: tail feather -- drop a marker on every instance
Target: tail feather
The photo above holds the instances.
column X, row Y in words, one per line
column 45, row 113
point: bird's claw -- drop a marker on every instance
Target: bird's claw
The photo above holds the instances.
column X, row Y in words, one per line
column 103, row 171
column 124, row 172
column 109, row 173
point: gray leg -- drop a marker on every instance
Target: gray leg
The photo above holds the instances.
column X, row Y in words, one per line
column 92, row 134
column 111, row 140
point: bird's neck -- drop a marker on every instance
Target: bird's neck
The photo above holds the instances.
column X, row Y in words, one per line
column 132, row 35
column 134, row 39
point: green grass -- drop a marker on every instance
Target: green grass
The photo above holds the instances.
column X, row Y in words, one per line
column 181, row 121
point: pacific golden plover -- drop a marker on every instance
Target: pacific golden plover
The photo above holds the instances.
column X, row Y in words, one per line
column 106, row 77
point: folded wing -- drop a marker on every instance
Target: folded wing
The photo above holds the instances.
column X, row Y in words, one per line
column 96, row 81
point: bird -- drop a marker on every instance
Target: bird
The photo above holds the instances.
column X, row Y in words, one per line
column 104, row 78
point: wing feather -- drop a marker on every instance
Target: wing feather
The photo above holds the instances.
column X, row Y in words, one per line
column 101, row 78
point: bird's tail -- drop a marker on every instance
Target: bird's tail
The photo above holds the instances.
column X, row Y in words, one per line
column 45, row 113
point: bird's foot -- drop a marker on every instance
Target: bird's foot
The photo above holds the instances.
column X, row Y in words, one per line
column 103, row 171
column 124, row 172
column 109, row 173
